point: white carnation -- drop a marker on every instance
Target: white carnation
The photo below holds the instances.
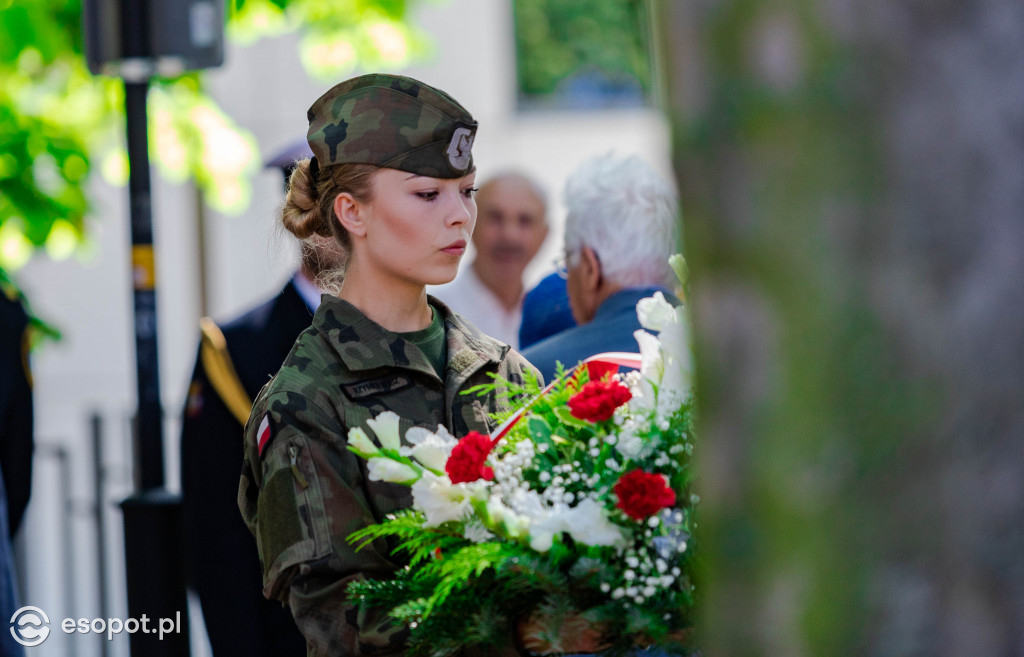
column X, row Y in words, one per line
column 430, row 449
column 440, row 500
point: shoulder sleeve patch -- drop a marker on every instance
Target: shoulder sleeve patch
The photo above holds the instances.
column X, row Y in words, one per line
column 263, row 434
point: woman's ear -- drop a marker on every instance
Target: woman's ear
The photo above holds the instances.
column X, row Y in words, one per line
column 350, row 213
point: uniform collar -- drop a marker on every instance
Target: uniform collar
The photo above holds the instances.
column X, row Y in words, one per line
column 468, row 346
column 363, row 344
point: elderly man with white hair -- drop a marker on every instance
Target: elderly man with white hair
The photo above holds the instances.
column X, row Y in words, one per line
column 622, row 226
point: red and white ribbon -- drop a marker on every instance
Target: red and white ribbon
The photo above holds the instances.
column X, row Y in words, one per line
column 619, row 358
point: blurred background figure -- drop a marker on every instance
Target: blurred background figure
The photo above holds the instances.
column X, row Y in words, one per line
column 622, row 225
column 16, row 413
column 510, row 229
column 546, row 311
column 15, row 446
column 233, row 364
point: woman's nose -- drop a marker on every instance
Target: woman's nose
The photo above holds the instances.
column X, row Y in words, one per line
column 461, row 210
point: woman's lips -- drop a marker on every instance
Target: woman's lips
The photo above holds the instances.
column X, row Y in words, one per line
column 455, row 248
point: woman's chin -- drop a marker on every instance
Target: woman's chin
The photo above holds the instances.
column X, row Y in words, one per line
column 442, row 276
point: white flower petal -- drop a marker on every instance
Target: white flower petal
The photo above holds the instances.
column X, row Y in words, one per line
column 358, row 439
column 384, row 469
column 655, row 313
column 651, row 364
column 588, row 523
column 476, row 532
column 432, row 453
column 385, row 426
column 429, row 448
column 440, row 500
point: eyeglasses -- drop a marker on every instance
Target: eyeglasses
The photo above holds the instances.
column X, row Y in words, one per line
column 562, row 263
column 561, row 266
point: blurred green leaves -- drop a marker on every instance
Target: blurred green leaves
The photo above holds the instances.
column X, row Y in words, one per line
column 339, row 36
column 58, row 122
column 582, row 52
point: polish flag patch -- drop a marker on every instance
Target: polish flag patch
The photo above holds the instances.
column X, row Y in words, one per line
column 263, row 435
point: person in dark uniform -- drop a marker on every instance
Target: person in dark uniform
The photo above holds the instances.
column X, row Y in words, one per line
column 16, row 443
column 234, row 362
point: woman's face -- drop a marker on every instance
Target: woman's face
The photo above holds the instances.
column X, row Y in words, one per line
column 417, row 228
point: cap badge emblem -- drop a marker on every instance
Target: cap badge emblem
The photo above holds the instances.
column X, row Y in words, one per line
column 460, row 149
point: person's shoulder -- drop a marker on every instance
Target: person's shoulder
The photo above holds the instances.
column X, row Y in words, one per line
column 515, row 366
column 12, row 309
column 285, row 306
column 568, row 347
column 310, row 354
column 299, row 383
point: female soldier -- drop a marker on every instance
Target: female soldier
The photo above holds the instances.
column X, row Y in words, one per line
column 392, row 180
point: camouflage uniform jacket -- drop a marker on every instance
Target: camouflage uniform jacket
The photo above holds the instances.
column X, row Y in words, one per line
column 302, row 493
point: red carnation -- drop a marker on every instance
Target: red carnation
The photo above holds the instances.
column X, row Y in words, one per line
column 597, row 370
column 598, row 400
column 642, row 494
column 466, row 462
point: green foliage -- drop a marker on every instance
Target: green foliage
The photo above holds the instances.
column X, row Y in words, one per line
column 59, row 124
column 559, row 39
column 339, row 36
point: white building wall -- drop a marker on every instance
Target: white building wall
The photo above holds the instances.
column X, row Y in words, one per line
column 264, row 88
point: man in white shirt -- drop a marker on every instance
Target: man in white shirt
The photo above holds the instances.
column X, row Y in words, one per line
column 510, row 229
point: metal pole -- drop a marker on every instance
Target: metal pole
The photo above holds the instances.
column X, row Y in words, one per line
column 154, row 565
column 152, row 517
column 149, row 431
column 96, row 423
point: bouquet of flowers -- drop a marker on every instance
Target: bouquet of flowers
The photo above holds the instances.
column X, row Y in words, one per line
column 568, row 527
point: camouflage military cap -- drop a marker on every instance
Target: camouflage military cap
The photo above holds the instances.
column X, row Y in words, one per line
column 395, row 122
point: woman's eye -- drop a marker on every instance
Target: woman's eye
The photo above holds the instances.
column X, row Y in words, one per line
column 427, row 196
column 469, row 193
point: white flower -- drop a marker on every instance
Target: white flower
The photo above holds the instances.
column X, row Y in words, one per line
column 385, row 426
column 677, row 360
column 655, row 313
column 543, row 529
column 496, row 510
column 651, row 364
column 384, row 469
column 440, row 500
column 476, row 532
column 588, row 523
column 430, row 449
column 630, row 445
column 358, row 440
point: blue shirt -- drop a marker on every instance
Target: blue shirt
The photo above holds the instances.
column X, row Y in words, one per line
column 611, row 330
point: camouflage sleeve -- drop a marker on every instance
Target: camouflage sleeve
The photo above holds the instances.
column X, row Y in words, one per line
column 310, row 499
column 517, row 366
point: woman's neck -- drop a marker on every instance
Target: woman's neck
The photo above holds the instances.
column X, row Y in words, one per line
column 398, row 306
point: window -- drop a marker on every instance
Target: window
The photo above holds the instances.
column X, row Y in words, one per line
column 577, row 54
